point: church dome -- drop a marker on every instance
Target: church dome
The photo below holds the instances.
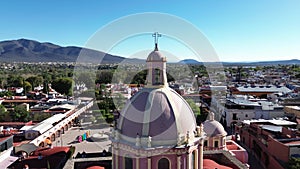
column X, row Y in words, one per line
column 156, row 56
column 213, row 128
column 160, row 113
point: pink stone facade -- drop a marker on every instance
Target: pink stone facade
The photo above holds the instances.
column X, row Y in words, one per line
column 190, row 157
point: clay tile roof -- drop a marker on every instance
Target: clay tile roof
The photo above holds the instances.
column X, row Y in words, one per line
column 210, row 164
column 50, row 151
column 95, row 167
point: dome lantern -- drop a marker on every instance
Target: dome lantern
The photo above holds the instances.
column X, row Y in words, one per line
column 156, row 66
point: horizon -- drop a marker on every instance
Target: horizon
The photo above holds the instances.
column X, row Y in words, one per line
column 251, row 31
column 143, row 58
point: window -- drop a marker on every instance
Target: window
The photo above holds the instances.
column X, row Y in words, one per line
column 163, row 164
column 205, row 143
column 216, row 143
column 246, row 115
column 157, row 76
column 128, row 163
column 234, row 116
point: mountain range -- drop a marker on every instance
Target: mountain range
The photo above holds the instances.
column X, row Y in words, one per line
column 258, row 63
column 25, row 50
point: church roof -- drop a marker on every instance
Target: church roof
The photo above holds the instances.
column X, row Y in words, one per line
column 156, row 56
column 160, row 113
column 213, row 128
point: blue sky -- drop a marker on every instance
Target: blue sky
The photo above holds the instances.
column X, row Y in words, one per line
column 250, row 30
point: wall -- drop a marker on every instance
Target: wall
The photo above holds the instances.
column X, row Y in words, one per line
column 242, row 114
column 279, row 150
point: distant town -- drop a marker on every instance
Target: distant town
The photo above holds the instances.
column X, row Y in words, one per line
column 52, row 116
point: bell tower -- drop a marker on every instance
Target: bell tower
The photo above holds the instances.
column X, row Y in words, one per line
column 156, row 66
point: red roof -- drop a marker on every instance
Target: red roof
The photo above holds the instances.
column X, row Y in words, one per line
column 210, row 164
column 20, row 101
column 15, row 144
column 232, row 147
column 16, row 123
column 51, row 158
column 49, row 151
column 95, row 167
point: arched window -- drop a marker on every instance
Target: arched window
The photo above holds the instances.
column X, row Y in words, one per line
column 163, row 163
column 128, row 163
column 157, row 76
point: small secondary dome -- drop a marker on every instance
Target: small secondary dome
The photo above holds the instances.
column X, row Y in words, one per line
column 213, row 128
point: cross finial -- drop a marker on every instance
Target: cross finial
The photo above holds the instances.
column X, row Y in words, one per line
column 156, row 35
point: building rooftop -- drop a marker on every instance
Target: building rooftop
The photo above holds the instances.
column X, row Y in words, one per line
column 293, row 143
column 293, row 107
column 262, row 88
column 290, row 141
column 272, row 128
column 278, row 122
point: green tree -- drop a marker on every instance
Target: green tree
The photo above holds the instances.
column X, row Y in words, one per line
column 63, row 86
column 27, row 86
column 200, row 117
column 45, row 87
column 2, row 82
column 14, row 80
column 35, row 81
column 46, row 77
column 194, row 107
column 20, row 114
column 41, row 116
column 294, row 163
column 6, row 93
column 3, row 113
column 104, row 76
column 138, row 78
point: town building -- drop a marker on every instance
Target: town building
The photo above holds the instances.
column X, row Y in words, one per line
column 259, row 90
column 274, row 142
column 243, row 107
column 6, row 147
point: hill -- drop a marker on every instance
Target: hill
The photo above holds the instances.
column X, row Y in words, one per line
column 189, row 61
column 24, row 50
